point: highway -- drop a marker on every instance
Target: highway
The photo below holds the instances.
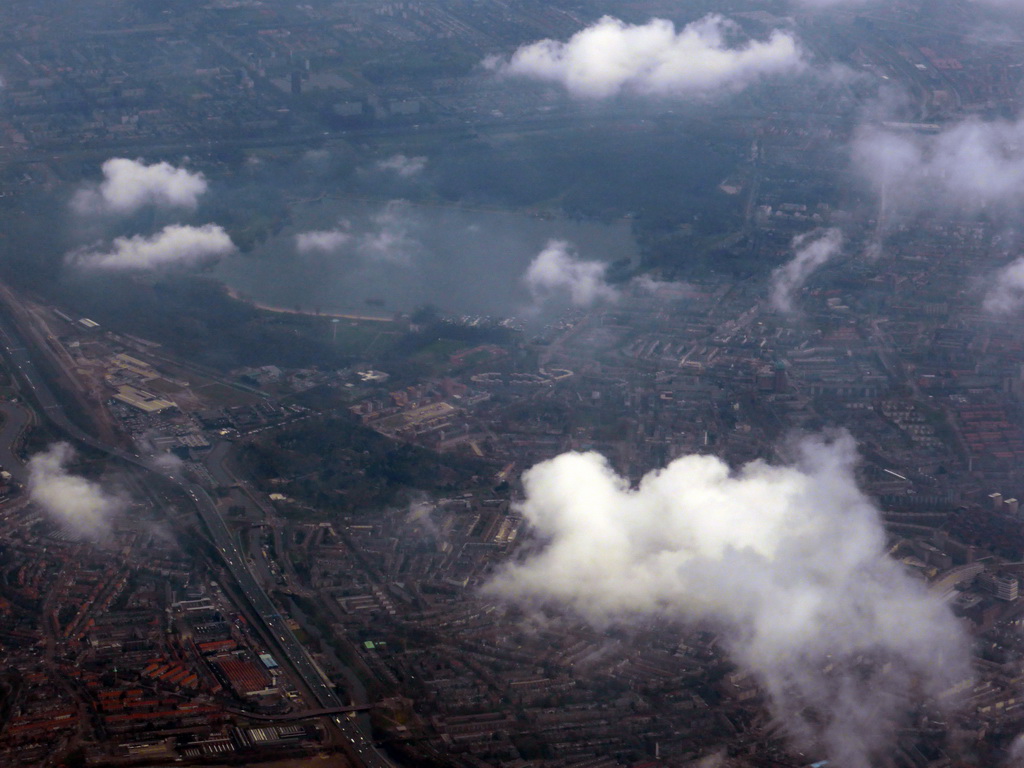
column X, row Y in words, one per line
column 24, row 368
column 16, row 417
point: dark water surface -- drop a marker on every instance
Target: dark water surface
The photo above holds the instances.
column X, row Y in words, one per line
column 398, row 256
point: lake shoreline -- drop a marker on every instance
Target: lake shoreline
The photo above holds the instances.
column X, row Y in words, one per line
column 237, row 296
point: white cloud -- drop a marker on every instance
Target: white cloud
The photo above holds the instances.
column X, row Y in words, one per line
column 390, row 239
column 387, row 237
column 556, row 269
column 82, row 505
column 1007, row 295
column 789, row 561
column 669, row 289
column 611, row 57
column 173, row 245
column 812, row 250
column 130, row 184
column 325, row 241
column 402, row 165
column 969, row 166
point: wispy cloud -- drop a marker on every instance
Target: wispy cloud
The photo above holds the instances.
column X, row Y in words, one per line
column 811, row 251
column 402, row 165
column 324, row 240
column 970, row 166
column 390, row 239
column 80, row 504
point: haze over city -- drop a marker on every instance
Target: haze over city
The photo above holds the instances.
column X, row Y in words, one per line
column 512, row 384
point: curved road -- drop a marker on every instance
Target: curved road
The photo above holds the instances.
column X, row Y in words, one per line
column 24, row 368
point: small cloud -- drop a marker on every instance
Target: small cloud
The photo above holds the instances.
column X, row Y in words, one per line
column 1007, row 295
column 324, row 241
column 390, row 239
column 174, row 245
column 82, row 505
column 402, row 165
column 813, row 250
column 128, row 185
column 612, row 57
column 557, row 269
column 646, row 284
column 160, row 458
column 385, row 239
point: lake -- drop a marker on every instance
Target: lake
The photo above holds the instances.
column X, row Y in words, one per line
column 379, row 258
